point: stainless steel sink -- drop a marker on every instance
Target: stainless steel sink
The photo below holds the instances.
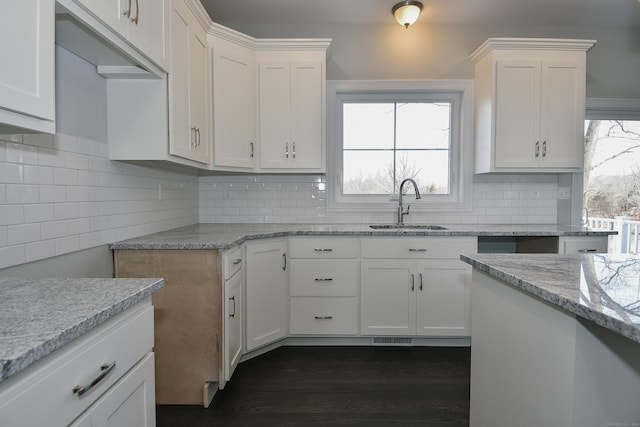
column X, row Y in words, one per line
column 407, row 227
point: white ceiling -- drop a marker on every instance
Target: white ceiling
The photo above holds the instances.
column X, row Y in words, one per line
column 616, row 13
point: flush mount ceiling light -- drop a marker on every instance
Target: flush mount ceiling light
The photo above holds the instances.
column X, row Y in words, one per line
column 406, row 12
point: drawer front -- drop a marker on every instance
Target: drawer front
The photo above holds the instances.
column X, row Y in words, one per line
column 324, row 316
column 233, row 262
column 580, row 245
column 324, row 248
column 411, row 248
column 47, row 385
column 310, row 277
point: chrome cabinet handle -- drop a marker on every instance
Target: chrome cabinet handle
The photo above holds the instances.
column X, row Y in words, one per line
column 251, row 145
column 284, row 262
column 323, row 279
column 106, row 370
column 413, row 282
column 127, row 12
column 233, row 299
column 323, row 249
column 323, row 317
column 193, row 137
column 135, row 21
column 417, row 250
column 420, row 276
column 544, row 148
column 584, row 251
column 197, row 137
column 237, row 261
column 286, row 150
column 294, row 150
column 537, row 149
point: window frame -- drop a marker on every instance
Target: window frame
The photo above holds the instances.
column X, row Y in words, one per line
column 459, row 92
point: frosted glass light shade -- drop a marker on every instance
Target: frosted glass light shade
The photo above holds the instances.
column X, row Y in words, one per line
column 407, row 12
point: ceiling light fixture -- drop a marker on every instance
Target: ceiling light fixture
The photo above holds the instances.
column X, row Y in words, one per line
column 406, row 12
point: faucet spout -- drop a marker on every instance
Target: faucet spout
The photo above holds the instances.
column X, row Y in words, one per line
column 401, row 211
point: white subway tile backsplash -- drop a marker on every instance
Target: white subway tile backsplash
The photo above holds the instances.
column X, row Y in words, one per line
column 61, row 193
column 20, row 153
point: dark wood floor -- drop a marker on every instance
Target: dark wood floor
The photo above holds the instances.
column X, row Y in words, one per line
column 339, row 386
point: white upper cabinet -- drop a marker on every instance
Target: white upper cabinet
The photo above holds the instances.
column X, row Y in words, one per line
column 143, row 23
column 27, row 76
column 291, row 110
column 530, row 101
column 188, row 102
column 234, row 110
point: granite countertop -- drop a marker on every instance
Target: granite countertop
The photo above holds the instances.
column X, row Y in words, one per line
column 38, row 316
column 225, row 236
column 603, row 288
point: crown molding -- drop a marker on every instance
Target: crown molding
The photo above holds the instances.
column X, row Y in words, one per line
column 293, row 44
column 493, row 44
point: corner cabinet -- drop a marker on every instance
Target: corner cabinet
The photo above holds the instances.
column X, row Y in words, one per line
column 291, row 110
column 188, row 86
column 267, row 293
column 234, row 111
column 27, row 74
column 530, row 102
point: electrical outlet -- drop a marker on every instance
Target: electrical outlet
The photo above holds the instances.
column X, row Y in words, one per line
column 564, row 193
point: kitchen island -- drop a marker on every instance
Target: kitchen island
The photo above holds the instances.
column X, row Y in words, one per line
column 555, row 340
column 76, row 348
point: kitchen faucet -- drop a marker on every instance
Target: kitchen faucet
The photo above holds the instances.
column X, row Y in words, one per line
column 401, row 212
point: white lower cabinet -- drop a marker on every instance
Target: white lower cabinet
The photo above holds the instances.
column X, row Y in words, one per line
column 415, row 287
column 267, row 311
column 128, row 403
column 583, row 245
column 104, row 378
column 233, row 313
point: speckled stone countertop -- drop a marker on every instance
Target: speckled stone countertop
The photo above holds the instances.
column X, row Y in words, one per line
column 224, row 236
column 38, row 316
column 603, row 288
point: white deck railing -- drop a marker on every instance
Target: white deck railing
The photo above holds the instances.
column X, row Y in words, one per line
column 626, row 241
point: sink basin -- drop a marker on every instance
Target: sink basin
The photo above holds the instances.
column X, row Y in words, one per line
column 407, row 227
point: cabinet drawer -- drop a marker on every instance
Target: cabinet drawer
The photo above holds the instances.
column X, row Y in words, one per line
column 579, row 245
column 324, row 316
column 123, row 340
column 232, row 262
column 310, row 277
column 324, row 248
column 429, row 247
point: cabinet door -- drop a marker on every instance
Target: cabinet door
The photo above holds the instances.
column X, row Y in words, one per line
column 387, row 297
column 517, row 115
column 130, row 402
column 267, row 293
column 198, row 84
column 180, row 124
column 114, row 13
column 232, row 324
column 562, row 115
column 274, row 115
column 306, row 112
column 149, row 29
column 443, row 298
column 27, row 71
column 234, row 108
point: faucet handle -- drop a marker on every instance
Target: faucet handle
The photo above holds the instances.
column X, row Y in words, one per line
column 408, row 207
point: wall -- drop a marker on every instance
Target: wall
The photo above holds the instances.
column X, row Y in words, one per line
column 60, row 194
column 497, row 199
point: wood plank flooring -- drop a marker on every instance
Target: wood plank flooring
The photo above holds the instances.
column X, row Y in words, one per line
column 339, row 386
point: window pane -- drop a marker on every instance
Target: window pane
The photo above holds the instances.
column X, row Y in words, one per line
column 430, row 170
column 368, row 125
column 368, row 172
column 423, row 125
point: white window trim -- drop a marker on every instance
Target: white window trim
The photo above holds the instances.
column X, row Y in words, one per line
column 462, row 175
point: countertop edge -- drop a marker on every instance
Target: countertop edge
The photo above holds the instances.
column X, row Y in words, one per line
column 601, row 319
column 10, row 367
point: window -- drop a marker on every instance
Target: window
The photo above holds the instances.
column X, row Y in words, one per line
column 382, row 132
